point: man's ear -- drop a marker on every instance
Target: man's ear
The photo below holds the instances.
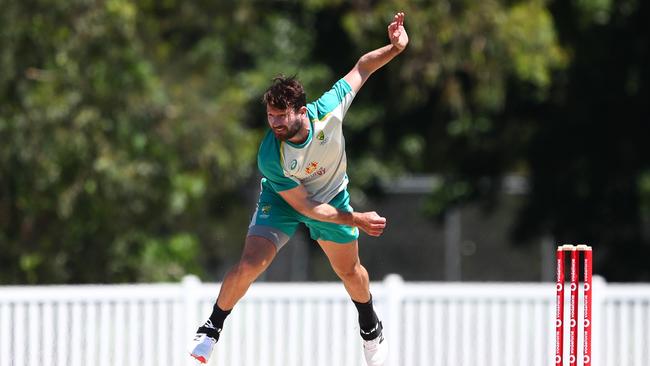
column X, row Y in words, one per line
column 302, row 110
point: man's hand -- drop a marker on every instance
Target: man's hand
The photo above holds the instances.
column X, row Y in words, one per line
column 397, row 34
column 370, row 222
column 373, row 60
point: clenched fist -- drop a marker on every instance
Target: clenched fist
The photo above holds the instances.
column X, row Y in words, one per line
column 370, row 222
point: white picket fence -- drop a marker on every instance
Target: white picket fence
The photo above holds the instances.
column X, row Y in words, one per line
column 290, row 324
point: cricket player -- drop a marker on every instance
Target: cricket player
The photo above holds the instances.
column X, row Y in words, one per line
column 303, row 163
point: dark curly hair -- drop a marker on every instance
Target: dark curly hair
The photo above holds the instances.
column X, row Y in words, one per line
column 285, row 92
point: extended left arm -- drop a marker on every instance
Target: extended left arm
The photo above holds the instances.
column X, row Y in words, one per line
column 375, row 59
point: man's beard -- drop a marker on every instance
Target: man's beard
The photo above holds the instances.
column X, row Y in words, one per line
column 288, row 133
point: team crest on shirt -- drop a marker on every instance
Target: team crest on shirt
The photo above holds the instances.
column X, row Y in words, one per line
column 311, row 167
column 321, row 137
column 265, row 210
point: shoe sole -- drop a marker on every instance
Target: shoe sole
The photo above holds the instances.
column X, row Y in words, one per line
column 201, row 359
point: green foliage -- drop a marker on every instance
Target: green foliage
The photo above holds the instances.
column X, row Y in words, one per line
column 528, row 34
column 594, row 11
column 644, row 193
column 129, row 130
column 453, row 84
column 451, row 193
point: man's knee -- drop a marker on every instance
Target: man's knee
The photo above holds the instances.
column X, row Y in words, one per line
column 350, row 273
column 250, row 266
column 258, row 254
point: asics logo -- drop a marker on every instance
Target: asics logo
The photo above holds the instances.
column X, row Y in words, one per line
column 371, row 331
column 208, row 324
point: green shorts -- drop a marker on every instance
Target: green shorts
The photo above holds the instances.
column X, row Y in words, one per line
column 277, row 221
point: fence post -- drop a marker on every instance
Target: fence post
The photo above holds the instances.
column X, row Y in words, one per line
column 599, row 296
column 394, row 294
column 191, row 292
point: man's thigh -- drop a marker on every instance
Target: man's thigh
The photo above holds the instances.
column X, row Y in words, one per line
column 342, row 256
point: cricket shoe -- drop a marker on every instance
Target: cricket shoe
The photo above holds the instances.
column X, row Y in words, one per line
column 376, row 350
column 201, row 347
column 204, row 340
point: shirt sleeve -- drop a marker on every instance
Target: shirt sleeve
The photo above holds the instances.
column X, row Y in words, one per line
column 269, row 161
column 336, row 100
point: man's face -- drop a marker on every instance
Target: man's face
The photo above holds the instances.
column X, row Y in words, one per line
column 285, row 123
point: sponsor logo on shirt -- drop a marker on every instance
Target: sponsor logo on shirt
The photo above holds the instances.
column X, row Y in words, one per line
column 311, row 167
column 293, row 164
column 317, row 173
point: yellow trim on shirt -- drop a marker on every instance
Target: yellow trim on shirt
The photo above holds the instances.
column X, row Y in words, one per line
column 282, row 154
column 322, row 119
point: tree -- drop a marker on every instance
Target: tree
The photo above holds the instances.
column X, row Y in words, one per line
column 589, row 160
column 129, row 130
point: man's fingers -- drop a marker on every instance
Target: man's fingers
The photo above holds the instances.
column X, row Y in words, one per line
column 375, row 229
column 398, row 18
column 374, row 232
column 396, row 26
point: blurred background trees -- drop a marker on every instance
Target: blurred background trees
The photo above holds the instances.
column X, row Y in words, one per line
column 129, row 130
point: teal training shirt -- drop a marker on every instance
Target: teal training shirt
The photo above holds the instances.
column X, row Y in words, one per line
column 320, row 162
